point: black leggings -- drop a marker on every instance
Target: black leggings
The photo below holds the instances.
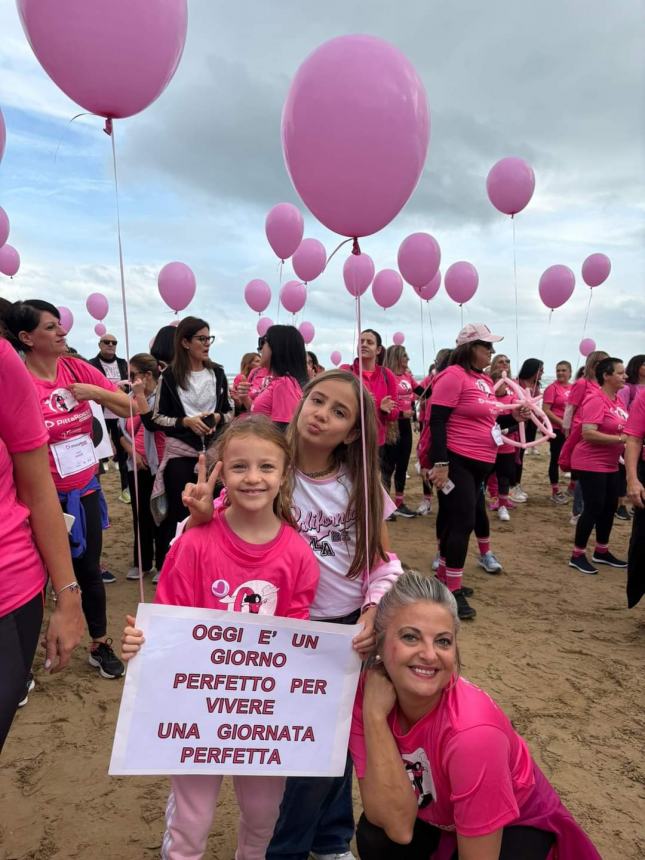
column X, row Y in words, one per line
column 18, row 640
column 636, row 557
column 600, row 496
column 179, row 472
column 120, row 454
column 151, row 551
column 396, row 457
column 531, row 432
column 87, row 569
column 518, row 843
column 505, row 472
column 463, row 509
column 556, row 446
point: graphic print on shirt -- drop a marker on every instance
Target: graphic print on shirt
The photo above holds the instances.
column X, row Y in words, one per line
column 324, row 530
column 256, row 596
column 418, row 770
column 61, row 400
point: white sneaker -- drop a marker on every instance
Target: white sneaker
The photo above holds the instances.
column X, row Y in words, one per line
column 489, row 562
column 133, row 573
column 503, row 514
column 155, row 578
column 435, row 562
column 518, row 495
column 344, row 855
column 424, row 508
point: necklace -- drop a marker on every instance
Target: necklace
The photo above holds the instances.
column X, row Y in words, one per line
column 320, row 474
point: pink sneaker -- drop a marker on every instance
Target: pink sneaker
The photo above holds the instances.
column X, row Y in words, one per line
column 493, row 505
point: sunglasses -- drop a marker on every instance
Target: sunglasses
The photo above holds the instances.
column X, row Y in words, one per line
column 109, row 342
column 205, row 339
column 485, row 344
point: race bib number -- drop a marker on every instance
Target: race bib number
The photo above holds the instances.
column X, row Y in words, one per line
column 74, row 455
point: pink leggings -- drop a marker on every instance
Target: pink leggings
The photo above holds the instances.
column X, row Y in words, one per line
column 191, row 806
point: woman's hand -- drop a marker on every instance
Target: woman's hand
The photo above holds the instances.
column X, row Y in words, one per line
column 636, row 493
column 139, row 462
column 521, row 413
column 379, row 696
column 196, row 424
column 364, row 641
column 198, row 498
column 64, row 631
column 132, row 639
column 84, row 391
column 438, row 475
column 387, row 404
column 138, row 388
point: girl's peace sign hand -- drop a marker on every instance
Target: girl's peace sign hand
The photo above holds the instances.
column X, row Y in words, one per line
column 198, row 498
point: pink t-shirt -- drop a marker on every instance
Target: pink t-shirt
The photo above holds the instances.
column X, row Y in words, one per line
column 211, row 566
column 556, row 396
column 610, row 417
column 279, row 399
column 65, row 417
column 580, row 390
column 140, row 439
column 22, row 574
column 259, row 378
column 406, row 384
column 636, row 422
column 471, row 422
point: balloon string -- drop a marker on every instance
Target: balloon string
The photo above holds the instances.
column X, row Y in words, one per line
column 423, row 346
column 109, row 130
column 517, row 324
column 584, row 327
column 461, row 311
column 548, row 332
column 363, row 449
column 344, row 242
column 65, row 130
column 434, row 346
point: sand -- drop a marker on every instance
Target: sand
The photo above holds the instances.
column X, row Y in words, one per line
column 558, row 650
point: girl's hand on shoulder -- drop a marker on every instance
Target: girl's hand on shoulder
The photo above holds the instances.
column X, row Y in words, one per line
column 132, row 639
column 364, row 641
column 379, row 696
column 198, row 498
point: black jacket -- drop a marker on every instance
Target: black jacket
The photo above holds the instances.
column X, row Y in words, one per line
column 121, row 362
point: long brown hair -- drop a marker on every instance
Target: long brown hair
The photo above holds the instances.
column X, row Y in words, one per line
column 350, row 456
column 592, row 362
column 394, row 358
column 246, row 363
column 180, row 363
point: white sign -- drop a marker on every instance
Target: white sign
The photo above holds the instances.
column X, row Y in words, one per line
column 102, row 442
column 224, row 693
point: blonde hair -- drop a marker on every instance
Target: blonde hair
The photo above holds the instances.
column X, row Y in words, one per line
column 592, row 362
column 369, row 548
column 394, row 358
column 246, row 364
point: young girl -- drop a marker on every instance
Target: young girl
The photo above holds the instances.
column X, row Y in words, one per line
column 247, row 558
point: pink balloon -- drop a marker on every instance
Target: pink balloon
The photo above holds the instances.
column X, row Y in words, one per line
column 66, row 319
column 387, row 288
column 355, row 132
column 556, row 286
column 595, row 269
column 4, row 227
column 99, row 329
column 307, row 331
column 358, row 273
column 335, row 358
column 3, row 135
column 97, row 306
column 9, row 260
column 284, row 227
column 177, row 285
column 257, row 295
column 429, row 291
column 112, row 57
column 461, row 281
column 293, row 296
column 510, row 185
column 310, row 260
column 587, row 345
column 398, row 338
column 264, row 324
column 419, row 258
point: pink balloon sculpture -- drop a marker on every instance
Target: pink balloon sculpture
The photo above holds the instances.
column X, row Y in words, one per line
column 429, row 291
column 398, row 338
column 99, row 329
column 587, row 345
column 4, row 227
column 595, row 269
column 538, row 417
column 510, row 185
column 257, row 295
column 358, row 273
column 310, row 260
column 177, row 285
column 461, row 281
column 293, row 296
column 97, row 306
column 9, row 260
column 66, row 319
column 556, row 286
column 419, row 258
column 284, row 227
column 113, row 58
column 307, row 331
column 387, row 288
column 264, row 324
column 355, row 132
column 335, row 358
column 3, row 135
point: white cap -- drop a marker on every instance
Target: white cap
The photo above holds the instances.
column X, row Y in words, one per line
column 477, row 331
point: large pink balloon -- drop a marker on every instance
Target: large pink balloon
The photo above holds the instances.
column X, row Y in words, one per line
column 335, row 358
column 177, row 285
column 595, row 269
column 429, row 291
column 419, row 258
column 355, row 132
column 358, row 273
column 4, row 227
column 461, row 280
column 112, row 57
column 99, row 329
column 310, row 259
column 307, row 331
column 9, row 260
column 510, row 185
column 556, row 286
column 587, row 345
column 284, row 227
column 257, row 295
column 398, row 338
column 97, row 306
column 264, row 324
column 387, row 288
column 293, row 296
column 66, row 319
column 3, row 135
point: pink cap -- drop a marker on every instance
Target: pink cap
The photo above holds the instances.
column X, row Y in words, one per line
column 477, row 331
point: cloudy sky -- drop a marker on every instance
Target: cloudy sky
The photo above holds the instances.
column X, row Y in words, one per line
column 560, row 83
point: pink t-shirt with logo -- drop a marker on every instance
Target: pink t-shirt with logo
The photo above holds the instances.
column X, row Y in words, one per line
column 66, row 418
column 278, row 401
column 211, row 566
column 636, row 422
column 22, row 573
column 474, row 414
column 610, row 417
column 405, row 384
column 556, row 396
